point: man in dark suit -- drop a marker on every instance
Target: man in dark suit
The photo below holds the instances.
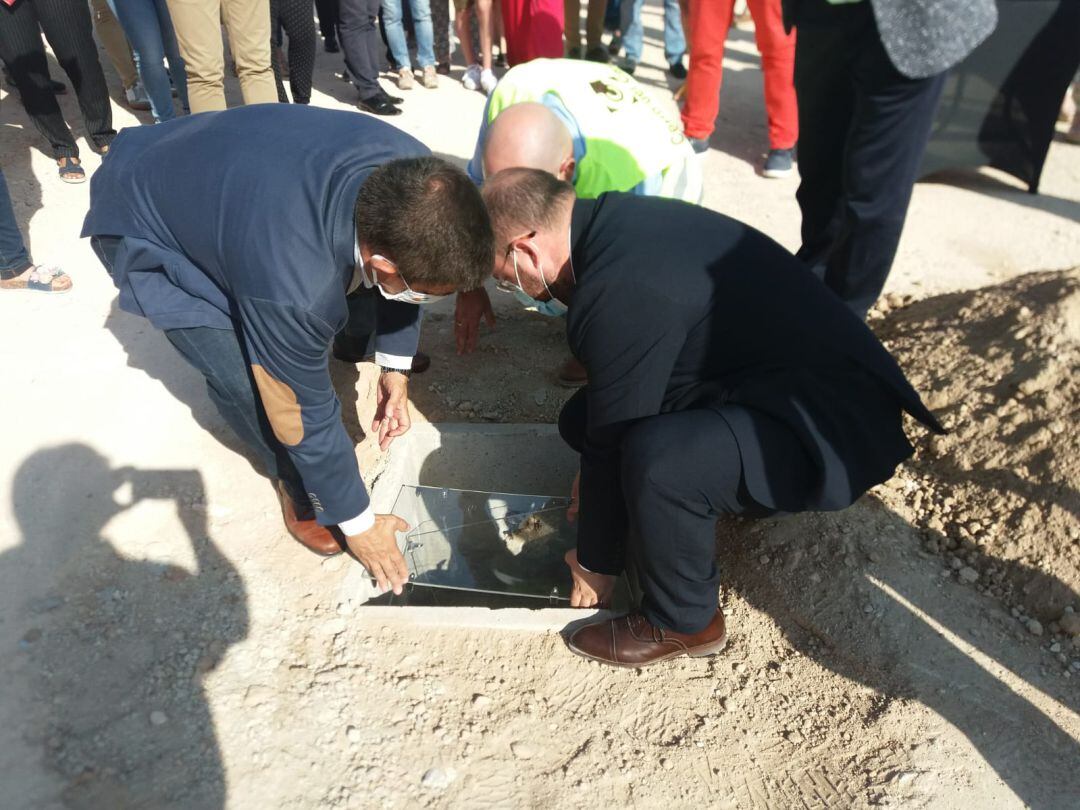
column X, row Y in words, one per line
column 723, row 379
column 251, row 238
column 868, row 76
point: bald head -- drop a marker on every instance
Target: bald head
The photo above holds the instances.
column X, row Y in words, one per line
column 529, row 135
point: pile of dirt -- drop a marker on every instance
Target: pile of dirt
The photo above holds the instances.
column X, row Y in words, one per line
column 999, row 496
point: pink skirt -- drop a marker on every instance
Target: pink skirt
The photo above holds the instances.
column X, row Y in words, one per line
column 534, row 29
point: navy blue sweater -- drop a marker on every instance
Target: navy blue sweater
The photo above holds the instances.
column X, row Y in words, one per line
column 244, row 220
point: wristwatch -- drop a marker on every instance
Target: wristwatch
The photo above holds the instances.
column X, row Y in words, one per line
column 387, row 370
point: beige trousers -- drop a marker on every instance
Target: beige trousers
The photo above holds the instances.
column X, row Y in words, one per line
column 112, row 38
column 198, row 31
column 594, row 23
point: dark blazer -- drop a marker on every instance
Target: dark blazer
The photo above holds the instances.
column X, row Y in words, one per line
column 678, row 307
column 245, row 220
column 921, row 37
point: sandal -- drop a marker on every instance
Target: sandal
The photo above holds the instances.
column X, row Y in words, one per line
column 70, row 171
column 40, row 279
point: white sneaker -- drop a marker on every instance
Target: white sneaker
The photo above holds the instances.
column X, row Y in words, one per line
column 488, row 81
column 136, row 97
column 471, row 79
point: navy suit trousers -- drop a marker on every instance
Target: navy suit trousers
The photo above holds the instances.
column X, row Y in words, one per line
column 863, row 127
column 679, row 472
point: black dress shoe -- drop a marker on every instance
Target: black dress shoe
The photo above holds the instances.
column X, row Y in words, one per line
column 377, row 105
column 598, row 54
column 331, row 45
column 387, row 97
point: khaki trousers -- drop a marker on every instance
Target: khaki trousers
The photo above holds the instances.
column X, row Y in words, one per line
column 594, row 24
column 112, row 38
column 198, row 31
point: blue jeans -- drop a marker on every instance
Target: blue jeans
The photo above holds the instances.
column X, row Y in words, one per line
column 613, row 16
column 395, row 32
column 149, row 29
column 13, row 256
column 221, row 357
column 633, row 32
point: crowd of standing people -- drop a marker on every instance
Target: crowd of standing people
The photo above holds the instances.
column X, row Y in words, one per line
column 840, row 80
column 171, row 60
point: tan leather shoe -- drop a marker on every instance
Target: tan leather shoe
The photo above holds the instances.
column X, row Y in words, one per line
column 304, row 528
column 630, row 641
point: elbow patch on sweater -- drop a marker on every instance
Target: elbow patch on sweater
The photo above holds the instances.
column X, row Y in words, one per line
column 281, row 407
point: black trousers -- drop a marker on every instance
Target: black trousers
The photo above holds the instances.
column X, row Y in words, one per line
column 863, row 127
column 328, row 18
column 294, row 16
column 359, row 33
column 678, row 473
column 440, row 24
column 67, row 27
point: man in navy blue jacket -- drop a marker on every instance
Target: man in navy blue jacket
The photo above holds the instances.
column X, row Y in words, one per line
column 723, row 379
column 251, row 238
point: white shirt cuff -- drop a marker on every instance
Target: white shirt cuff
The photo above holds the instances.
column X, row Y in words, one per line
column 393, row 361
column 359, row 524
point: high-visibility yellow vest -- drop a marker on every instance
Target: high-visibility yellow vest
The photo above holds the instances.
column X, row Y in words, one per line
column 629, row 137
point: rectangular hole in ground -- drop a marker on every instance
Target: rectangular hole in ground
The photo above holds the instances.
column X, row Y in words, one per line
column 465, row 549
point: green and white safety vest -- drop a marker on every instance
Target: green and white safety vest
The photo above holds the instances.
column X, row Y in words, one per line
column 629, row 137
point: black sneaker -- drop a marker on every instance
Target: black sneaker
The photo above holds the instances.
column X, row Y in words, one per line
column 377, row 105
column 443, row 68
column 615, row 45
column 699, row 144
column 779, row 163
column 677, row 70
column 628, row 65
column 331, row 45
column 598, row 54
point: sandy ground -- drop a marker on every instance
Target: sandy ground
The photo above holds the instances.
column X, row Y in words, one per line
column 164, row 644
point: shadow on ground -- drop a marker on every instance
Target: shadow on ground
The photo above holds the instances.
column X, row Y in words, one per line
column 982, row 182
column 107, row 677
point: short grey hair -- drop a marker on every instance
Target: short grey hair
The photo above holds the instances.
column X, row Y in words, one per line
column 521, row 200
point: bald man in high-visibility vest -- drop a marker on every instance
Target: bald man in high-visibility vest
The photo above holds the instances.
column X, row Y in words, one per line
column 591, row 125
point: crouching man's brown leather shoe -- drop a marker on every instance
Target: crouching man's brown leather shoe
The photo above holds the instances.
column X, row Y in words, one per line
column 304, row 528
column 630, row 641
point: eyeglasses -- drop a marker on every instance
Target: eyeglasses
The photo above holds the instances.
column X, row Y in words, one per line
column 509, row 286
column 408, row 295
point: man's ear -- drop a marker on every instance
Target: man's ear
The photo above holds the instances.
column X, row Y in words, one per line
column 383, row 265
column 566, row 170
column 526, row 244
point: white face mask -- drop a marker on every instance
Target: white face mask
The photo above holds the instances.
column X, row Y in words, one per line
column 553, row 307
column 406, row 296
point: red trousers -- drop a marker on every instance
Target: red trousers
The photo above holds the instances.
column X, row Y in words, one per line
column 709, row 24
column 533, row 29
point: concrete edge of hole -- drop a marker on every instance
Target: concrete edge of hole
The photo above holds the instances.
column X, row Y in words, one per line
column 541, row 620
column 404, row 460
